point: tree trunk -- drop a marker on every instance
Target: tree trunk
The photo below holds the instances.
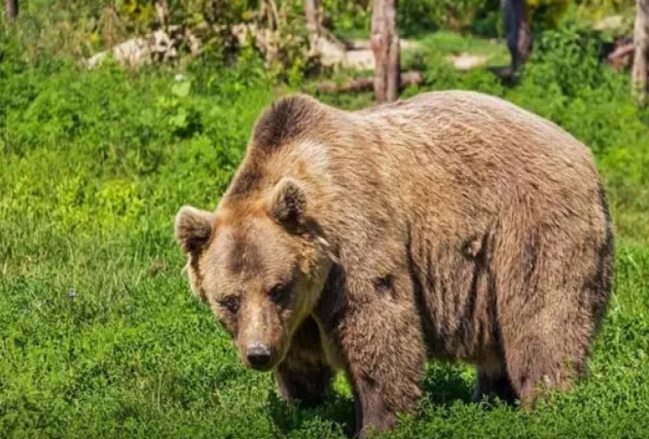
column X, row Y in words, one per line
column 162, row 12
column 517, row 30
column 639, row 73
column 385, row 45
column 11, row 9
column 313, row 12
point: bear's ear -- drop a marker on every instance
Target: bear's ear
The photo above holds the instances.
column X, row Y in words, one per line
column 193, row 229
column 287, row 202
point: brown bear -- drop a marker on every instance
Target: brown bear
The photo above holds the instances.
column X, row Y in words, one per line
column 452, row 225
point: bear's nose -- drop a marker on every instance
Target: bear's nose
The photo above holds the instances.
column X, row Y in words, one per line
column 258, row 355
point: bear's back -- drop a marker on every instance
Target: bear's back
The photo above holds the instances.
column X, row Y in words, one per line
column 474, row 152
column 472, row 124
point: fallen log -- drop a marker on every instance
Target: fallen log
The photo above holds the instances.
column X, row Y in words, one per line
column 621, row 51
column 367, row 84
column 621, row 56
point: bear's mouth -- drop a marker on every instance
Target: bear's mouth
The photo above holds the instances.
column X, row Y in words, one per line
column 262, row 368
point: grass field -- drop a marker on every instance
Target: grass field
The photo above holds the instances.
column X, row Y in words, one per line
column 99, row 336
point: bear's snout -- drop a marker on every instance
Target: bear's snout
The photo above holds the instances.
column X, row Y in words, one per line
column 259, row 356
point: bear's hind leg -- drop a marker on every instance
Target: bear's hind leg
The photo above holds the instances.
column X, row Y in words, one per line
column 538, row 363
column 549, row 299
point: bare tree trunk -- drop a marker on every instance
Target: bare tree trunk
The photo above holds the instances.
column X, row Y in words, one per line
column 11, row 9
column 313, row 12
column 385, row 45
column 639, row 73
column 517, row 30
column 162, row 12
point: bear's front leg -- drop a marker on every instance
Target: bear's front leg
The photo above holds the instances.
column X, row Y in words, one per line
column 379, row 335
column 304, row 375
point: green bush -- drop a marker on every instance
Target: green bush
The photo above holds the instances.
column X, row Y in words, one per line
column 483, row 17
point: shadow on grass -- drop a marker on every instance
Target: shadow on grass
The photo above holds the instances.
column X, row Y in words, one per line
column 507, row 77
column 443, row 385
column 338, row 410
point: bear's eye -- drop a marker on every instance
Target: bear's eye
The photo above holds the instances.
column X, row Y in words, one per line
column 230, row 303
column 280, row 291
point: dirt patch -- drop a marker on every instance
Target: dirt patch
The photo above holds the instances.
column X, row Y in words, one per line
column 466, row 61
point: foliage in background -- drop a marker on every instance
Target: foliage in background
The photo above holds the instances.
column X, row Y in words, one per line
column 82, row 27
column 601, row 8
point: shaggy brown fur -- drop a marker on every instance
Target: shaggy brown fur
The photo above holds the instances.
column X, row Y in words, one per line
column 452, row 225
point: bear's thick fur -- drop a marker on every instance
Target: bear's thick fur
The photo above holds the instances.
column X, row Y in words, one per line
column 451, row 225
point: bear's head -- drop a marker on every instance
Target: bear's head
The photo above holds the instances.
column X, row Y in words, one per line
column 260, row 264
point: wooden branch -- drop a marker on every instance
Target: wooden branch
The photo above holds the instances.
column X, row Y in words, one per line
column 162, row 12
column 367, row 84
column 620, row 52
column 273, row 13
column 313, row 14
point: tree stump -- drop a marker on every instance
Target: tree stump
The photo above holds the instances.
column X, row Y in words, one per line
column 385, row 46
column 518, row 31
column 641, row 52
column 11, row 9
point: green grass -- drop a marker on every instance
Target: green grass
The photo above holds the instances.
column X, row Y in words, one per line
column 449, row 43
column 99, row 335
